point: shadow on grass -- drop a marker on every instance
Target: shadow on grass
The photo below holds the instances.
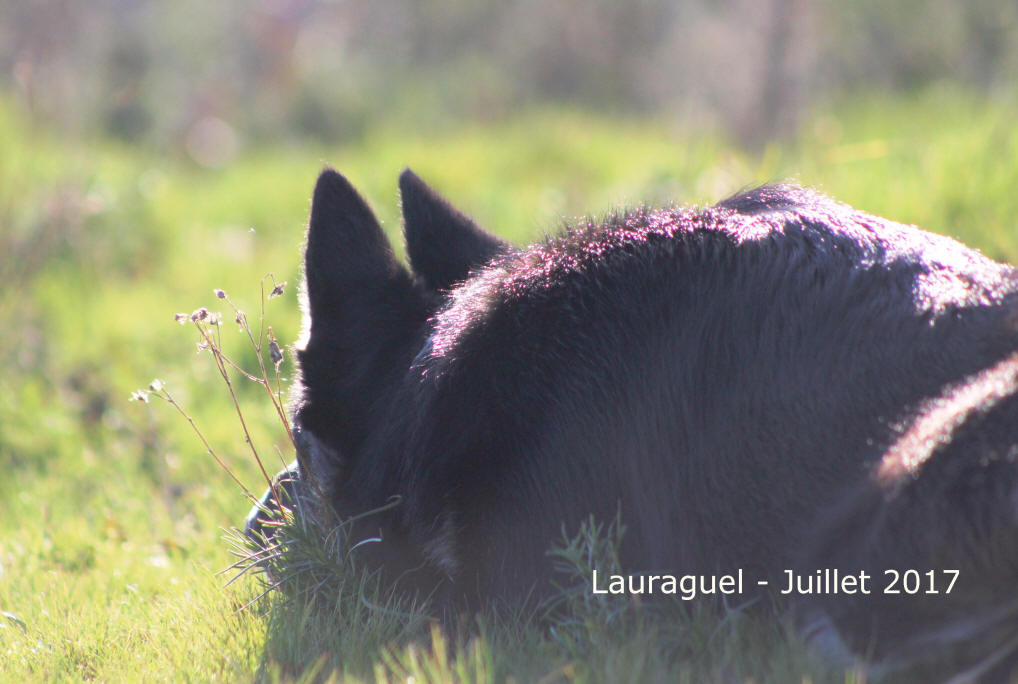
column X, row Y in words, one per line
column 332, row 621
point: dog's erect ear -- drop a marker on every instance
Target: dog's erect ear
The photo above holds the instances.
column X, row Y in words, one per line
column 443, row 245
column 346, row 248
column 364, row 313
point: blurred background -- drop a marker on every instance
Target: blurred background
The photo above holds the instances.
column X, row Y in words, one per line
column 211, row 78
column 151, row 151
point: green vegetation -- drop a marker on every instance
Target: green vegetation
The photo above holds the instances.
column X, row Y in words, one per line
column 112, row 512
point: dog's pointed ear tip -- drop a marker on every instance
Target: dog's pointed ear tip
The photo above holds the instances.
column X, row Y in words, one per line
column 332, row 182
column 410, row 182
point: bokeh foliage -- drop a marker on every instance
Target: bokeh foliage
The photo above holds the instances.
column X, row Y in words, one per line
column 207, row 78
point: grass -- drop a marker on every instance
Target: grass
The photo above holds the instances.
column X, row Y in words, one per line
column 113, row 513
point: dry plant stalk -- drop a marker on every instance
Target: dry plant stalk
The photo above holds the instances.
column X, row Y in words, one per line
column 308, row 542
column 209, row 327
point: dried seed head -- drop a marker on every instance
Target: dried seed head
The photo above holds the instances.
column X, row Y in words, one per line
column 277, row 291
column 156, row 385
column 239, row 318
column 215, row 319
column 181, row 318
column 275, row 353
column 200, row 314
column 139, row 395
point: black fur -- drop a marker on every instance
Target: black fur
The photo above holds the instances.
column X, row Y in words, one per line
column 944, row 496
column 717, row 375
column 365, row 310
column 442, row 244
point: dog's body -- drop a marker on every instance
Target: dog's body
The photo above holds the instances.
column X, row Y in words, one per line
column 944, row 496
column 722, row 378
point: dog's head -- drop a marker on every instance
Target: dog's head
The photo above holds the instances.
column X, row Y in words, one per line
column 366, row 318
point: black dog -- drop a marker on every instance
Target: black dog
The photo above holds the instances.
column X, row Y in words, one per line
column 723, row 378
column 944, row 496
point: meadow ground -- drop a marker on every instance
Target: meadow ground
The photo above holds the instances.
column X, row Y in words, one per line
column 113, row 515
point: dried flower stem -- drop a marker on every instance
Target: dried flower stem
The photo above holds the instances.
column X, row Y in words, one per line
column 208, row 326
column 164, row 394
column 221, row 360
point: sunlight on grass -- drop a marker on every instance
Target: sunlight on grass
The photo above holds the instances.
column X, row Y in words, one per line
column 114, row 513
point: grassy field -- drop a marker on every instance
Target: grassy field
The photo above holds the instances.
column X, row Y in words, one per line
column 113, row 514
